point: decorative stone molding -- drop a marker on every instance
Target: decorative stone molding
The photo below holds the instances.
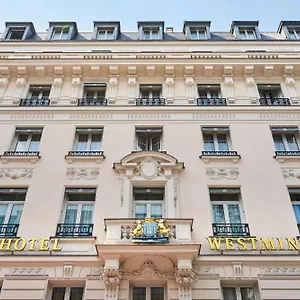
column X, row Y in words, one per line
column 82, row 173
column 208, row 71
column 16, row 173
column 229, row 86
column 95, row 71
column 113, row 87
column 275, row 271
column 27, row 271
column 40, row 71
column 111, row 278
column 56, row 88
column 150, row 71
column 67, row 273
column 170, row 81
column 291, row 173
column 131, row 89
column 222, row 173
column 268, row 71
column 190, row 88
column 121, row 179
column 237, row 269
column 75, row 87
column 290, row 84
column 3, row 85
column 252, row 89
column 20, row 84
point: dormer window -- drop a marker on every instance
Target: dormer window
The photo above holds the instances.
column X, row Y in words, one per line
column 198, row 33
column 294, row 33
column 106, row 30
column 196, row 30
column 290, row 29
column 105, row 34
column 151, row 30
column 245, row 30
column 62, row 31
column 18, row 31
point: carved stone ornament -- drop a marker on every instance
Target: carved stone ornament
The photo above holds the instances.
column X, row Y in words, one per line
column 148, row 168
column 68, row 271
column 16, row 173
column 291, row 173
column 222, row 173
column 82, row 173
column 281, row 271
column 27, row 271
column 110, row 277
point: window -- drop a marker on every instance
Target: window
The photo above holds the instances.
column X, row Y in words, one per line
column 60, row 33
column 27, row 139
column 67, row 293
column 94, row 90
column 285, row 139
column 209, row 91
column 39, row 92
column 148, row 202
column 269, row 91
column 295, row 198
column 11, row 207
column 88, row 139
column 105, row 34
column 151, row 33
column 150, row 91
column 294, row 33
column 238, row 293
column 148, row 139
column 148, row 293
column 247, row 33
column 151, row 30
column 216, row 139
column 198, row 33
column 16, row 33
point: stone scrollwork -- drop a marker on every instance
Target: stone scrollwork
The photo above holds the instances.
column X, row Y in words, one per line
column 148, row 168
column 111, row 278
column 82, row 173
column 222, row 173
column 16, row 173
column 291, row 173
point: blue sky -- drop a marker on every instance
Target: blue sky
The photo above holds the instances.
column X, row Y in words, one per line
column 84, row 12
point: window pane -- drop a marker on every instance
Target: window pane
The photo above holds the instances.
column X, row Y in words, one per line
column 86, row 216
column 82, row 142
column 71, row 214
column 279, row 146
column 247, row 294
column 109, row 35
column 58, row 293
column 222, row 142
column 292, row 142
column 229, row 293
column 90, row 94
column 76, row 293
column 194, row 35
column 22, row 142
column 156, row 93
column 214, row 93
column 154, row 34
column 64, row 35
column 155, row 143
column 202, row 34
column 3, row 209
column 296, row 209
column 156, row 211
column 101, row 34
column 218, row 213
column 35, row 142
column 56, row 35
column 147, row 35
column 208, row 142
column 100, row 94
column 46, row 94
column 15, row 214
column 142, row 142
column 139, row 293
column 95, row 143
column 157, row 293
column 140, row 211
column 243, row 35
column 251, row 34
column 35, row 94
column 234, row 214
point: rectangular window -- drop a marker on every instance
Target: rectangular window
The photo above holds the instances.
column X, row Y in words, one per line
column 269, row 91
column 151, row 33
column 67, row 293
column 198, row 33
column 216, row 139
column 16, row 33
column 27, row 139
column 88, row 139
column 238, row 293
column 295, row 198
column 209, row 91
column 148, row 202
column 105, row 34
column 285, row 139
column 39, row 92
column 294, row 33
column 148, row 293
column 60, row 33
column 247, row 33
column 150, row 91
column 148, row 139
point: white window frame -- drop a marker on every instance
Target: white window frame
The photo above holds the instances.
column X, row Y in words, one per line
column 198, row 30
column 40, row 90
column 150, row 90
column 95, row 91
column 209, row 90
column 238, row 291
column 215, row 139
column 61, row 31
column 293, row 31
column 151, row 31
column 148, row 291
column 246, row 31
column 149, row 140
column 13, row 29
column 284, row 139
column 90, row 133
column 67, row 291
column 9, row 209
column 29, row 139
column 106, row 31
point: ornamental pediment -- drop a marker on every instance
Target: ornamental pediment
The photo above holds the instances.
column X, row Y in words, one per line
column 148, row 164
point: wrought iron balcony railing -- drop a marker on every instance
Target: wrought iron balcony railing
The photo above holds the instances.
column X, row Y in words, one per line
column 74, row 230
column 92, row 102
column 219, row 153
column 274, row 101
column 211, row 102
column 9, row 230
column 228, row 229
column 150, row 101
column 22, row 153
column 85, row 153
column 35, row 102
column 287, row 153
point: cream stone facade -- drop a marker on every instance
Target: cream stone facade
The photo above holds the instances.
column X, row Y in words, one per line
column 149, row 165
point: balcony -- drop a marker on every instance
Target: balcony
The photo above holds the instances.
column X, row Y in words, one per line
column 274, row 101
column 150, row 101
column 85, row 153
column 208, row 156
column 92, row 102
column 74, row 230
column 22, row 153
column 9, row 230
column 287, row 153
column 227, row 229
column 211, row 102
column 120, row 230
column 35, row 102
column 219, row 153
column 75, row 155
column 29, row 156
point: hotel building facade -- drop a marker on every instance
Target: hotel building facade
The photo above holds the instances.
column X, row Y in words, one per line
column 150, row 165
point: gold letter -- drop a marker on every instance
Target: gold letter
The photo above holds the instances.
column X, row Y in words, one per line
column 7, row 242
column 32, row 245
column 214, row 242
column 280, row 244
column 17, row 243
column 267, row 245
column 293, row 244
column 241, row 241
column 253, row 241
column 228, row 242
column 44, row 245
column 55, row 248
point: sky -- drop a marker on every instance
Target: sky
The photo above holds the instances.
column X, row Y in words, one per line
column 220, row 12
